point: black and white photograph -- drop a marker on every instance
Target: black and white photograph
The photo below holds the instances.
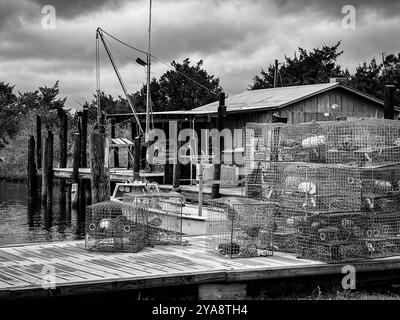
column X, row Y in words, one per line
column 199, row 158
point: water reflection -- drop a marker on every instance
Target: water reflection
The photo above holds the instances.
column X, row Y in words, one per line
column 40, row 222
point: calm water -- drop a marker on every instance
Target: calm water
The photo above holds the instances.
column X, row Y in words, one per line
column 18, row 225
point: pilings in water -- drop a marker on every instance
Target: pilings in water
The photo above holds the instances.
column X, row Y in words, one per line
column 47, row 169
column 75, row 171
column 32, row 175
column 38, row 142
column 99, row 170
column 63, row 137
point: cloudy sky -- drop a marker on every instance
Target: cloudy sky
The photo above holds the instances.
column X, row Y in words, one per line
column 236, row 38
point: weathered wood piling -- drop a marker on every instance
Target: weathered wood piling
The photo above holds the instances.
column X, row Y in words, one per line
column 38, row 142
column 32, row 174
column 115, row 149
column 63, row 137
column 389, row 92
column 217, row 166
column 75, row 170
column 99, row 170
column 47, row 169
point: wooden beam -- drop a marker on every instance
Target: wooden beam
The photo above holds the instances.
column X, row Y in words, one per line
column 84, row 126
column 32, row 174
column 115, row 149
column 136, row 160
column 50, row 155
column 100, row 184
column 75, row 170
column 44, row 170
column 38, row 141
column 389, row 101
column 177, row 165
column 217, row 166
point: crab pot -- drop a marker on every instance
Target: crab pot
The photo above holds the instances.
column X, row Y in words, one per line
column 239, row 227
column 287, row 222
column 349, row 236
column 307, row 187
column 381, row 189
column 116, row 227
column 357, row 142
column 164, row 215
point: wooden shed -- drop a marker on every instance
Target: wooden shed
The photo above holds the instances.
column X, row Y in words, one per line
column 297, row 104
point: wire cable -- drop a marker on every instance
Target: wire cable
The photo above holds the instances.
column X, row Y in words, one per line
column 159, row 60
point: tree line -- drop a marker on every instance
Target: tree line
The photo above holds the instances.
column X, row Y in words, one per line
column 175, row 89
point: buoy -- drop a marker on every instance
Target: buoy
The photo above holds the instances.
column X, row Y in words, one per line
column 313, row 142
column 307, row 187
column 105, row 224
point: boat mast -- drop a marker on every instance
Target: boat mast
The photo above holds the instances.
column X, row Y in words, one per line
column 148, row 97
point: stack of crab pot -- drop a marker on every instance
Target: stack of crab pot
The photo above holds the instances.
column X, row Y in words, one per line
column 336, row 186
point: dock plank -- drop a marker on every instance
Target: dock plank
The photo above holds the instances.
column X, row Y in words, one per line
column 81, row 271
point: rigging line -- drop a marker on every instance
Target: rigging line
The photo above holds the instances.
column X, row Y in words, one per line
column 158, row 59
column 119, row 52
column 124, row 43
column 120, row 80
column 184, row 75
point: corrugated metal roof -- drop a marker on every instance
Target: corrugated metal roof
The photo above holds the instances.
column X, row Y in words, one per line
column 274, row 98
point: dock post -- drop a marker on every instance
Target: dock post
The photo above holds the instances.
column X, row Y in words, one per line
column 84, row 185
column 217, row 166
column 50, row 173
column 63, row 136
column 177, row 165
column 99, row 173
column 84, row 126
column 389, row 101
column 32, row 174
column 168, row 167
column 44, row 170
column 131, row 149
column 200, row 201
column 136, row 160
column 115, row 153
column 38, row 141
column 75, row 171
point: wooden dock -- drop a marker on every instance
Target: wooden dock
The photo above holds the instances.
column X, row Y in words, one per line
column 121, row 175
column 82, row 272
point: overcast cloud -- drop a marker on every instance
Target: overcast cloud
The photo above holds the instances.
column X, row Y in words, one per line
column 235, row 38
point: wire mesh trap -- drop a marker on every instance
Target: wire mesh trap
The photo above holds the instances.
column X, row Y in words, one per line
column 381, row 189
column 239, row 227
column 312, row 188
column 116, row 227
column 348, row 236
column 163, row 212
column 355, row 143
